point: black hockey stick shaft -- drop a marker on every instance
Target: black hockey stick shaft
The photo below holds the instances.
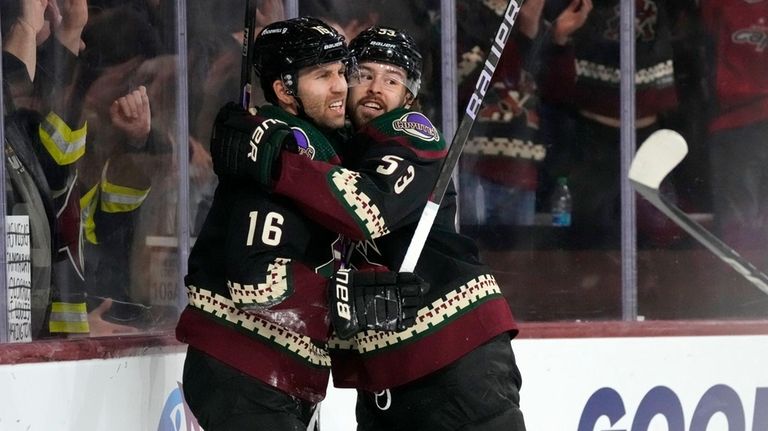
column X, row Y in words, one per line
column 704, row 236
column 249, row 26
column 460, row 138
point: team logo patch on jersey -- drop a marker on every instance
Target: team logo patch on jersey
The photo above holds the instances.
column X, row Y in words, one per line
column 302, row 140
column 755, row 35
column 416, row 125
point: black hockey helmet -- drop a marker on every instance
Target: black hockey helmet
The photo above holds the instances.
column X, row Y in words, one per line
column 389, row 45
column 282, row 48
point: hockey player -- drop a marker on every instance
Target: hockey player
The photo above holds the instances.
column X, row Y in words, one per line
column 257, row 321
column 455, row 368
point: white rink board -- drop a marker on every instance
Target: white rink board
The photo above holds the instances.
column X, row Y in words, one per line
column 684, row 375
column 560, row 375
column 93, row 395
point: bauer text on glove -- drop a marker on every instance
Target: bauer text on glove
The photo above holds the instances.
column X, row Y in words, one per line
column 248, row 146
column 382, row 301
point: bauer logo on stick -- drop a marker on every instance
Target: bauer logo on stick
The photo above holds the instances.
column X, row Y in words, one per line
column 493, row 58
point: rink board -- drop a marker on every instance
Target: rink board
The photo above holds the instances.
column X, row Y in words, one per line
column 589, row 384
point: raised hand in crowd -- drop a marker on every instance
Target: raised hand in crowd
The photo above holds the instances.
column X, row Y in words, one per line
column 21, row 41
column 530, row 17
column 110, row 85
column 68, row 19
column 33, row 15
column 131, row 114
column 571, row 19
column 269, row 11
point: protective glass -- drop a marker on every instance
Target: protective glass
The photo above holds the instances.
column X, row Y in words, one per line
column 352, row 71
column 386, row 77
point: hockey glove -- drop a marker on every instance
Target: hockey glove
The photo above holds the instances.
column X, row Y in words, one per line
column 382, row 301
column 247, row 146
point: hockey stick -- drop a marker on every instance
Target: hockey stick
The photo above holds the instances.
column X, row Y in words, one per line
column 655, row 159
column 245, row 65
column 460, row 138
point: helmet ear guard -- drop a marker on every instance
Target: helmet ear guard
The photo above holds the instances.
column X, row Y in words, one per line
column 291, row 82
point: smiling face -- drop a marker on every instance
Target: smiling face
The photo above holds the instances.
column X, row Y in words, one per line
column 323, row 92
column 381, row 88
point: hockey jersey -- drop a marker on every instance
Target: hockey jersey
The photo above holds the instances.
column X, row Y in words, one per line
column 390, row 168
column 739, row 33
column 587, row 73
column 504, row 146
column 257, row 281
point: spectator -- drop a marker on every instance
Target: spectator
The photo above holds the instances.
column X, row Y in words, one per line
column 123, row 156
column 501, row 160
column 40, row 69
column 582, row 75
column 734, row 33
column 27, row 191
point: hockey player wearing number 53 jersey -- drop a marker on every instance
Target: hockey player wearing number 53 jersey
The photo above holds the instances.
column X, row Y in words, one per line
column 454, row 369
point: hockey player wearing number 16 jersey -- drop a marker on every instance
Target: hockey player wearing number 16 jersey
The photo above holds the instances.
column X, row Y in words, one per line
column 257, row 323
column 258, row 319
column 454, row 369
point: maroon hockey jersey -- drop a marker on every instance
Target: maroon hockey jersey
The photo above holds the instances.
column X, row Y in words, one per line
column 504, row 145
column 391, row 167
column 257, row 282
column 587, row 74
column 739, row 30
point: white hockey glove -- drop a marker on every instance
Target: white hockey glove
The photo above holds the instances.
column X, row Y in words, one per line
column 382, row 301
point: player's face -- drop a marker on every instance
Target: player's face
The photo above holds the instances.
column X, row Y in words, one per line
column 380, row 90
column 323, row 91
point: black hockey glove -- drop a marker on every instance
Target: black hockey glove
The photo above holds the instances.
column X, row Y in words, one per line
column 382, row 301
column 247, row 146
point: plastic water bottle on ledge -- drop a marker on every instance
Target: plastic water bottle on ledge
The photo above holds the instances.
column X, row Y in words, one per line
column 561, row 204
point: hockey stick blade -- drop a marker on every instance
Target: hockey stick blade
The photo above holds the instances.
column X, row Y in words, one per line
column 460, row 138
column 655, row 159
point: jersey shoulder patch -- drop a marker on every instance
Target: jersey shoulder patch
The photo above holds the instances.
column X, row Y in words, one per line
column 417, row 125
column 302, row 142
column 310, row 141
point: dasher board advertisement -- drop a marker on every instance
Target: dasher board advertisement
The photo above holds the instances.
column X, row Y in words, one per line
column 585, row 384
